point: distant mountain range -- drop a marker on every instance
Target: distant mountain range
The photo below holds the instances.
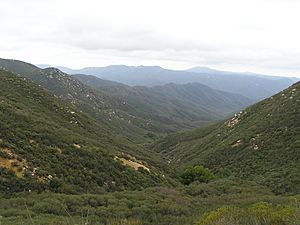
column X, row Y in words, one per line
column 250, row 85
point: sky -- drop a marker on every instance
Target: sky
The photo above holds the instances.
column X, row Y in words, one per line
column 260, row 36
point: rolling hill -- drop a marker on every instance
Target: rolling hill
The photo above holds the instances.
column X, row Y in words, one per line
column 261, row 143
column 254, row 86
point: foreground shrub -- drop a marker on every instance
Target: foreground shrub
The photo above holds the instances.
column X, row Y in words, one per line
column 257, row 214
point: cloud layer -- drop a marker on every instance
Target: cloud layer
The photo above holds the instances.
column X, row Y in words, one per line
column 248, row 35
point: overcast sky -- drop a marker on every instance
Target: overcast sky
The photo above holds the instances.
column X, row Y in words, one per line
column 239, row 35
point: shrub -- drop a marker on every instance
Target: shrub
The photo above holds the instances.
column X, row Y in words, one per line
column 258, row 214
column 196, row 173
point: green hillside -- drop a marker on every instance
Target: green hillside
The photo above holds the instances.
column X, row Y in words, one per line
column 48, row 144
column 100, row 106
column 261, row 143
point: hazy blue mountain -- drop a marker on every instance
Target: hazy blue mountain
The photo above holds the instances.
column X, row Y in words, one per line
column 250, row 85
column 200, row 69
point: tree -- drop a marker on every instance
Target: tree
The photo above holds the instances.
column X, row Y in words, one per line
column 196, row 173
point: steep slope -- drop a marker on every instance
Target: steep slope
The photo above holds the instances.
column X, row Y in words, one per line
column 102, row 107
column 261, row 143
column 48, row 144
column 172, row 105
column 253, row 86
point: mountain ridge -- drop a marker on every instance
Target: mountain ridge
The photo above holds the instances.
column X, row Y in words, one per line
column 255, row 86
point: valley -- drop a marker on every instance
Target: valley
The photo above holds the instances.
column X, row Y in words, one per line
column 214, row 148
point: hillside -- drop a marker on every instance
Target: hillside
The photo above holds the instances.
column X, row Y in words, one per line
column 139, row 114
column 100, row 106
column 109, row 111
column 172, row 105
column 48, row 144
column 254, row 86
column 260, row 143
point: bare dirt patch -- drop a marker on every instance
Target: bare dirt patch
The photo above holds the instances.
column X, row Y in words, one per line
column 13, row 163
column 132, row 162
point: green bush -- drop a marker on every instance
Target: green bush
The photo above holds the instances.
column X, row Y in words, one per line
column 196, row 173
